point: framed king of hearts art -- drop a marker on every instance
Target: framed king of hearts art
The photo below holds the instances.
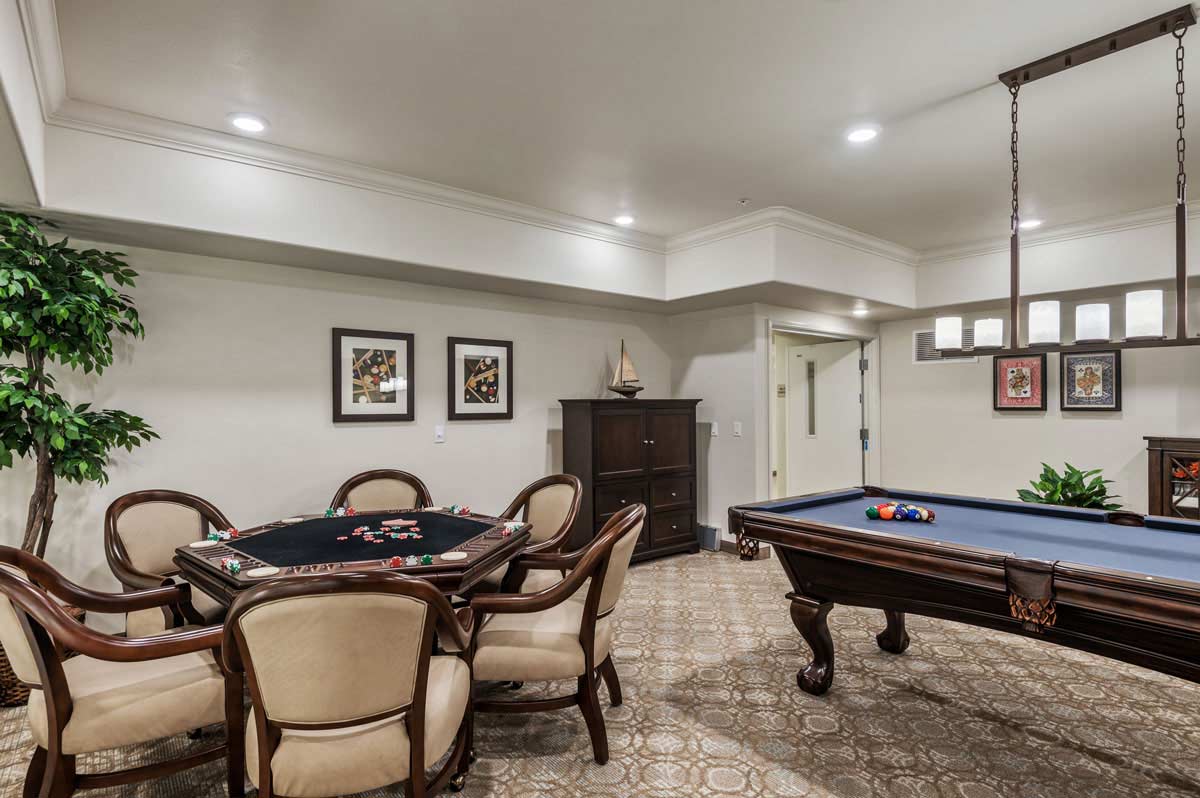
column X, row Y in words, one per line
column 372, row 375
column 480, row 375
column 1019, row 382
column 1091, row 381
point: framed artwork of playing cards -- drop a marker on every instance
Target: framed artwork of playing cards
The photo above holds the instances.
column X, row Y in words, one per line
column 372, row 375
column 480, row 379
column 1091, row 381
column 1019, row 382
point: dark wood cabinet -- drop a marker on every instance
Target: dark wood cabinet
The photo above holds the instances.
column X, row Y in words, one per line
column 1174, row 476
column 626, row 451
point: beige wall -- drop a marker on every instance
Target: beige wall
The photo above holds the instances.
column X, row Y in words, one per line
column 234, row 374
column 942, row 433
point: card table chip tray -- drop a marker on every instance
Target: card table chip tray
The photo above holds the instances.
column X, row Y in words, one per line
column 322, row 545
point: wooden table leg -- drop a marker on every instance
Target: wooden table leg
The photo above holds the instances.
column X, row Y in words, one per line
column 810, row 617
column 893, row 639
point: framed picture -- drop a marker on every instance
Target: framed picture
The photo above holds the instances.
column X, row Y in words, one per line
column 372, row 375
column 1091, row 381
column 480, row 379
column 1019, row 382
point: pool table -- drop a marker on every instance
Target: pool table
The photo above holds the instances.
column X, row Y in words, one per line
column 1117, row 584
column 453, row 551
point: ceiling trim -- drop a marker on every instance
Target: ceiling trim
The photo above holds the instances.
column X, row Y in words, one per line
column 791, row 219
column 1148, row 217
column 40, row 21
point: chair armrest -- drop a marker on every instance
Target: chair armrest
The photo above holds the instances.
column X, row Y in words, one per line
column 158, row 595
column 70, row 633
column 549, row 560
column 536, row 602
column 458, row 625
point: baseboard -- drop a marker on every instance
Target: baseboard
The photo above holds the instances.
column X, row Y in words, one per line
column 730, row 547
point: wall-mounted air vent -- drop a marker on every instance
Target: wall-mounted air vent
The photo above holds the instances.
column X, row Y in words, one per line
column 924, row 351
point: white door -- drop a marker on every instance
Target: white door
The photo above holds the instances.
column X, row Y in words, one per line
column 824, row 417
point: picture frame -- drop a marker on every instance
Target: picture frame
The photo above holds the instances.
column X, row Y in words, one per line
column 1019, row 382
column 479, row 379
column 365, row 364
column 1090, row 381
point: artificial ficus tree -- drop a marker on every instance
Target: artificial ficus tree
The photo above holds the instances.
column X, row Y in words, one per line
column 58, row 305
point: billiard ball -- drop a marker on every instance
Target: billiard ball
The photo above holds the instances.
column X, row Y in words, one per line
column 872, row 513
column 886, row 513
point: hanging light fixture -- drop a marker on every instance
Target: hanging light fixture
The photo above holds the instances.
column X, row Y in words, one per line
column 989, row 333
column 1144, row 315
column 947, row 332
column 1144, row 309
column 1091, row 323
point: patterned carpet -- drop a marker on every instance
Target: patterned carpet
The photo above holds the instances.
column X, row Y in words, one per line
column 707, row 657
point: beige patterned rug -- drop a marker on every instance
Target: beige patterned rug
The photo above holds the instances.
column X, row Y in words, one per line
column 707, row 657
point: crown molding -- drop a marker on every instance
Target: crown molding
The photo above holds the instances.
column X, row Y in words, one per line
column 1148, row 217
column 790, row 219
column 39, row 18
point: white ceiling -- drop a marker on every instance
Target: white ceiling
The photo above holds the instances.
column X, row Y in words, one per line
column 671, row 109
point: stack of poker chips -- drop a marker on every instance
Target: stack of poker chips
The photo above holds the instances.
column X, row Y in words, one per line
column 231, row 564
column 896, row 511
column 460, row 509
column 227, row 534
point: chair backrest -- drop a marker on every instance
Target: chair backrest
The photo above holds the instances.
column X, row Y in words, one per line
column 143, row 529
column 382, row 489
column 614, row 545
column 333, row 650
column 551, row 504
column 14, row 638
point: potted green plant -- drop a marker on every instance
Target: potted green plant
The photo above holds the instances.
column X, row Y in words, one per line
column 1072, row 488
column 58, row 305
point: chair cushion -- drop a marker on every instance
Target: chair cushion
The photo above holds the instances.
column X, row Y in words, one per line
column 311, row 764
column 123, row 703
column 152, row 621
column 537, row 646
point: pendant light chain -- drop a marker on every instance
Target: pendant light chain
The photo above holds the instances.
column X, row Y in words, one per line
column 1180, row 118
column 1016, row 216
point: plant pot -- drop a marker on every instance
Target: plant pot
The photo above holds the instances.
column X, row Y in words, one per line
column 13, row 692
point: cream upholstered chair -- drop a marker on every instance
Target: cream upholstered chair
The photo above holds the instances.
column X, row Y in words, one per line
column 547, row 636
column 550, row 505
column 347, row 697
column 120, row 691
column 382, row 489
column 141, row 532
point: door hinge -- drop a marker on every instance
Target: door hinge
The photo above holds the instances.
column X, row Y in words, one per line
column 862, row 364
column 864, row 434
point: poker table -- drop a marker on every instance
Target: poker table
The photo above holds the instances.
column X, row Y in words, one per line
column 452, row 551
column 1118, row 584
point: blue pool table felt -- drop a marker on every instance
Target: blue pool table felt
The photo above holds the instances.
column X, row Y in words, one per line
column 1078, row 537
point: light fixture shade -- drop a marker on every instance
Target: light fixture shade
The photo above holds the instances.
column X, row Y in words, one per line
column 1044, row 326
column 1144, row 314
column 947, row 332
column 989, row 332
column 1091, row 322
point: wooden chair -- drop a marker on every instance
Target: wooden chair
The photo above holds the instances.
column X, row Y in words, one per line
column 382, row 489
column 555, row 634
column 347, row 697
column 141, row 532
column 550, row 504
column 119, row 691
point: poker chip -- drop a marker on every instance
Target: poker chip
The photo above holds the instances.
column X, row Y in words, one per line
column 343, row 537
column 454, row 556
column 396, row 562
column 427, row 559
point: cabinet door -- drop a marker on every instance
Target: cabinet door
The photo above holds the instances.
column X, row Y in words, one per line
column 620, row 442
column 672, row 436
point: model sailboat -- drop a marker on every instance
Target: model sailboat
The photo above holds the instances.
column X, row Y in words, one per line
column 624, row 380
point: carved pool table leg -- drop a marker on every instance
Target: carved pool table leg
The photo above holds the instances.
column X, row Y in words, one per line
column 809, row 616
column 893, row 639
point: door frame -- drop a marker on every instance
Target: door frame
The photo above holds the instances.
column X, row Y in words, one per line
column 869, row 348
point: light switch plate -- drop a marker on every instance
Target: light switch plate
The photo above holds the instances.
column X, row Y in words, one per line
column 439, row 433
column 737, row 429
column 714, row 429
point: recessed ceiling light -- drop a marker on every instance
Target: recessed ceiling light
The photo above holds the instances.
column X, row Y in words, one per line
column 248, row 123
column 860, row 311
column 862, row 134
column 624, row 220
column 1030, row 224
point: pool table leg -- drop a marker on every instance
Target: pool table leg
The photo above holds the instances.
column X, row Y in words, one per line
column 810, row 617
column 893, row 639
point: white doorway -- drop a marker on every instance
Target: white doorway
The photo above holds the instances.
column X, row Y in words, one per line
column 817, row 414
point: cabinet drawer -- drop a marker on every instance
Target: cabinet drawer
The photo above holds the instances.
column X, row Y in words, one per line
column 673, row 492
column 643, row 541
column 612, row 498
column 674, row 527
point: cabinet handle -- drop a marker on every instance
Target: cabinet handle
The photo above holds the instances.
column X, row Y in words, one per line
column 674, row 527
column 622, row 501
column 651, row 443
column 645, row 442
column 673, row 495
